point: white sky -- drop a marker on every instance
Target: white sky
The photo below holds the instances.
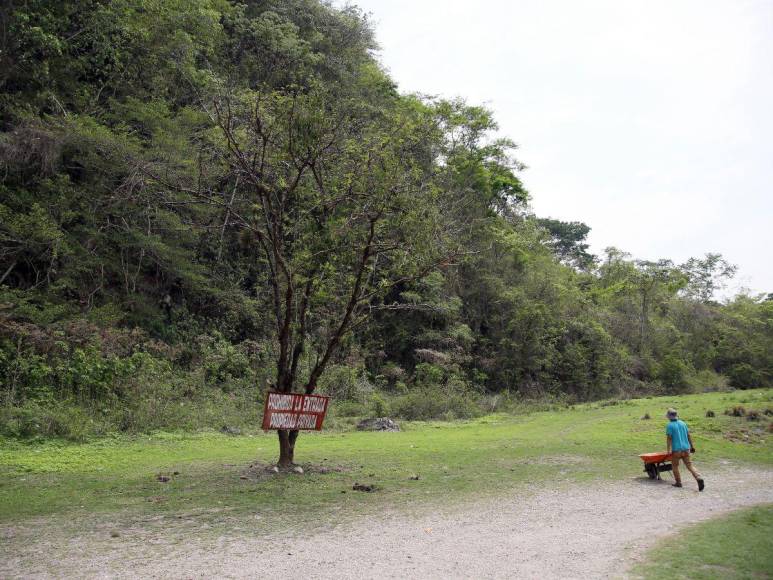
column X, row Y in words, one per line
column 651, row 121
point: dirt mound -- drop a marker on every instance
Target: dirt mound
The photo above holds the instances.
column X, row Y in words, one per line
column 260, row 470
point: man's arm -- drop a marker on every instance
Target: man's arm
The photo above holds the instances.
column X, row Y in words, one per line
column 668, row 443
column 692, row 445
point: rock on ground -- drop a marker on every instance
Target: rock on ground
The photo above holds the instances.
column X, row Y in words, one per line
column 378, row 424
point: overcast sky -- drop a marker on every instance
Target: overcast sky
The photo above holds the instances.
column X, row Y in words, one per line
column 652, row 121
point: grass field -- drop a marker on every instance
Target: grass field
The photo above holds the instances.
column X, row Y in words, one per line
column 736, row 546
column 453, row 461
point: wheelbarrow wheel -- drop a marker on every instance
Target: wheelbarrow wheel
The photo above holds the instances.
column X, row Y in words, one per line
column 652, row 470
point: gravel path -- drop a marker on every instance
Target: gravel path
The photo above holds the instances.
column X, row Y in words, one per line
column 569, row 531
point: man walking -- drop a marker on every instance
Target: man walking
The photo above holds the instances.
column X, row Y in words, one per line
column 679, row 445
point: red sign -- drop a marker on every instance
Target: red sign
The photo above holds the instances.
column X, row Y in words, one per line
column 294, row 411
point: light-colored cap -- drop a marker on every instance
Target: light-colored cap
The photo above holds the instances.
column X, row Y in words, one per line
column 671, row 412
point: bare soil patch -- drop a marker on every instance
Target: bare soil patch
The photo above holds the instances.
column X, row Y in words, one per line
column 259, row 470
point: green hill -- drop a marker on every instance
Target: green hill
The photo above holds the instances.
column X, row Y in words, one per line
column 202, row 198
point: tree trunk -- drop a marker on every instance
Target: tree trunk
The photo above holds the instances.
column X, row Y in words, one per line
column 643, row 319
column 287, row 441
column 7, row 272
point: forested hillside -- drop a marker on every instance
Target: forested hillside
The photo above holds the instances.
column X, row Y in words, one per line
column 202, row 198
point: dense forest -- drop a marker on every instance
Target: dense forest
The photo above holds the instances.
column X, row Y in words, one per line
column 200, row 199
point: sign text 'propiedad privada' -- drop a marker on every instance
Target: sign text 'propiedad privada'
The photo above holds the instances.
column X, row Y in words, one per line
column 294, row 411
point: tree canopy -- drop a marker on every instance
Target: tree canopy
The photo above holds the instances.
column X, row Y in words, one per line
column 227, row 195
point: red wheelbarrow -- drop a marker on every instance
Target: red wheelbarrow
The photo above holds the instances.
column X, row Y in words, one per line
column 656, row 463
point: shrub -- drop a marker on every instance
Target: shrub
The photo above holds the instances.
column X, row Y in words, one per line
column 707, row 381
column 61, row 420
column 492, row 402
column 90, row 376
column 378, row 405
column 24, row 375
column 223, row 361
column 153, row 396
column 434, row 403
column 345, row 383
column 348, row 409
column 673, row 373
column 428, row 375
column 744, row 376
column 392, row 372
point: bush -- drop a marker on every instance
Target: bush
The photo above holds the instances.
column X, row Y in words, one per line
column 392, row 373
column 24, row 375
column 153, row 396
column 707, row 381
column 348, row 409
column 379, row 406
column 744, row 376
column 90, row 376
column 47, row 365
column 433, row 403
column 61, row 420
column 345, row 383
column 428, row 375
column 223, row 361
column 673, row 373
column 492, row 402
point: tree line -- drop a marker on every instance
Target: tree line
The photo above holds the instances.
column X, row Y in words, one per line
column 202, row 199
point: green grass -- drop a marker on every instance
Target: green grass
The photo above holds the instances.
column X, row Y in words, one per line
column 454, row 461
column 736, row 546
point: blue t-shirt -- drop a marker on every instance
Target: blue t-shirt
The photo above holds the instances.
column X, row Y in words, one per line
column 677, row 429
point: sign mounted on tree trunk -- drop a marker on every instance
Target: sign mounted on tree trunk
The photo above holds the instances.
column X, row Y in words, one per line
column 294, row 411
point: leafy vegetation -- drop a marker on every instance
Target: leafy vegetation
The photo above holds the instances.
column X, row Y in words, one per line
column 200, row 199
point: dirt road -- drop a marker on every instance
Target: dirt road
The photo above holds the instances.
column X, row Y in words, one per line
column 566, row 531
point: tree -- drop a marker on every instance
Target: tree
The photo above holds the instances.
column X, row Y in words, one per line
column 706, row 276
column 646, row 283
column 206, row 171
column 743, row 341
column 339, row 202
column 567, row 240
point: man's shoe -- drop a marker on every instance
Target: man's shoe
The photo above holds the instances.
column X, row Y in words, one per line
column 677, row 484
column 701, row 485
